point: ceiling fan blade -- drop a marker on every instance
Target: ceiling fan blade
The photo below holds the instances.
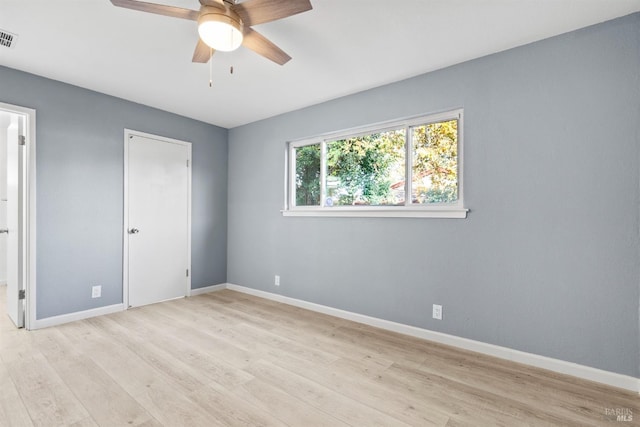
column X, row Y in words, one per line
column 159, row 9
column 203, row 53
column 254, row 12
column 211, row 2
column 262, row 46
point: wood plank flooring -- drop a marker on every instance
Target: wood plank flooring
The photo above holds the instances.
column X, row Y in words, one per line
column 229, row 359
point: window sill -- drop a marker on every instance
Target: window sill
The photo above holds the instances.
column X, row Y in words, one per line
column 458, row 213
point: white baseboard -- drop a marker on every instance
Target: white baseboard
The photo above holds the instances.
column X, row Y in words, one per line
column 79, row 315
column 207, row 289
column 585, row 372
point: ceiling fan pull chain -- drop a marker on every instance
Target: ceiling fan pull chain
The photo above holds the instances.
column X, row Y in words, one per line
column 211, row 69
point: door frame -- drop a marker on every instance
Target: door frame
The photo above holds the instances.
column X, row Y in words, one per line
column 129, row 133
column 29, row 215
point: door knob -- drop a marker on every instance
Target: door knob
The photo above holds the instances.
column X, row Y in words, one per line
column 4, row 230
column 134, row 231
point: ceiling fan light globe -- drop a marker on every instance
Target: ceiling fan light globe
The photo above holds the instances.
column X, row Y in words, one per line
column 220, row 32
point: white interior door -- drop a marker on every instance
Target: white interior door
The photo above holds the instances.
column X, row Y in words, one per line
column 15, row 211
column 5, row 119
column 158, row 224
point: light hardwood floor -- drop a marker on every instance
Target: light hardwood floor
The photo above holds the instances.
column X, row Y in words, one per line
column 229, row 359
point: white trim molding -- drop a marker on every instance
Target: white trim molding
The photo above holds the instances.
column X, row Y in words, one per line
column 405, row 209
column 29, row 194
column 556, row 365
column 101, row 311
column 379, row 213
column 207, row 289
column 78, row 315
column 560, row 366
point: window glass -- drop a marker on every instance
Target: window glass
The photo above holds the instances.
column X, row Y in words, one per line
column 366, row 170
column 307, row 160
column 435, row 163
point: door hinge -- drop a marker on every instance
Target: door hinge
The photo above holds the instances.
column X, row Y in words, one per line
column 21, row 294
column 22, row 140
column 187, row 163
column 187, row 272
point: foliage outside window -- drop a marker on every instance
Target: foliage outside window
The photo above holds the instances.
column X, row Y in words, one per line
column 411, row 167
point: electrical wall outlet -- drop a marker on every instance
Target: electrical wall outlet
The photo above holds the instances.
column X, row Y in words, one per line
column 437, row 311
column 96, row 291
column 277, row 280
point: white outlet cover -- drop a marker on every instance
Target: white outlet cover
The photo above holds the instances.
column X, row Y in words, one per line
column 96, row 291
column 437, row 311
column 277, row 281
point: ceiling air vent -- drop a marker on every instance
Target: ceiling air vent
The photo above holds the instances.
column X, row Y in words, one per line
column 7, row 39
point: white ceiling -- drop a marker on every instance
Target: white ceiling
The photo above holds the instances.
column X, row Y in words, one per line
column 338, row 48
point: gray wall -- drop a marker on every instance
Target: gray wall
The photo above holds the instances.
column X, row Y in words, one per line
column 546, row 262
column 80, row 167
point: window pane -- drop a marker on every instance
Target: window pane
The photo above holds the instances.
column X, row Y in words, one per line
column 366, row 170
column 308, row 175
column 435, row 163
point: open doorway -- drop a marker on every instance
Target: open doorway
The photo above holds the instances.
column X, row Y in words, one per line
column 17, row 212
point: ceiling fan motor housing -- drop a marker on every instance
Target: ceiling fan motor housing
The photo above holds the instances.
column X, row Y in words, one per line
column 220, row 13
column 220, row 27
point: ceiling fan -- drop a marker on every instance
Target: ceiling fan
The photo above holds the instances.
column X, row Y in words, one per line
column 224, row 25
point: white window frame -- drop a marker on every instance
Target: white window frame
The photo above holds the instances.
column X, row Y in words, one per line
column 410, row 210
